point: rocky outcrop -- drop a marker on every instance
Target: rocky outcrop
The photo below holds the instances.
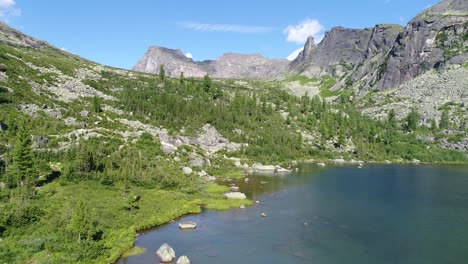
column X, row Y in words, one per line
column 432, row 40
column 230, row 65
column 15, row 38
column 349, row 55
column 462, row 145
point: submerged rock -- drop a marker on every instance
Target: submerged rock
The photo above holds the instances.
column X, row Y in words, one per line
column 235, row 195
column 183, row 260
column 321, row 164
column 188, row 225
column 165, row 253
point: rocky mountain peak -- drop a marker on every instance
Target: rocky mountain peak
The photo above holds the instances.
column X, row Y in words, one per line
column 434, row 39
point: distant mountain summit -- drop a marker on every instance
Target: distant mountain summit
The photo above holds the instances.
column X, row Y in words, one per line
column 230, row 65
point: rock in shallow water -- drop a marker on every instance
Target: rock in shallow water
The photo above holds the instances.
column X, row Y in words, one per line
column 165, row 253
column 183, row 260
column 187, row 225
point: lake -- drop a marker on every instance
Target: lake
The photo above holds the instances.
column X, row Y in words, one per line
column 375, row 214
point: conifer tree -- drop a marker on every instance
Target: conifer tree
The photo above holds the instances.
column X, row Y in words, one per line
column 444, row 120
column 162, row 73
column 21, row 171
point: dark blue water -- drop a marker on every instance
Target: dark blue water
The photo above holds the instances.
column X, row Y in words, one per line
column 377, row 214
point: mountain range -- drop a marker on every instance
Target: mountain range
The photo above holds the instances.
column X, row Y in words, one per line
column 381, row 57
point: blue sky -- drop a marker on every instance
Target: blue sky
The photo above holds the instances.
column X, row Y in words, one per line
column 117, row 33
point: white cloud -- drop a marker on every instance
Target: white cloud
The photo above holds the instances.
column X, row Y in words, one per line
column 6, row 3
column 204, row 27
column 300, row 32
column 189, row 55
column 8, row 10
column 294, row 54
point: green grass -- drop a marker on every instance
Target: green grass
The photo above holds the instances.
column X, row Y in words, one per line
column 303, row 80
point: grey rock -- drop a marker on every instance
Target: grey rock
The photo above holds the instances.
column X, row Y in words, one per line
column 210, row 178
column 84, row 113
column 235, row 195
column 187, row 170
column 183, row 260
column 197, row 162
column 259, row 167
column 39, row 142
column 188, row 225
column 165, row 253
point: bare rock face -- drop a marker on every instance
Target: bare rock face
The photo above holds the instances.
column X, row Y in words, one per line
column 174, row 61
column 346, row 54
column 432, row 40
column 230, row 65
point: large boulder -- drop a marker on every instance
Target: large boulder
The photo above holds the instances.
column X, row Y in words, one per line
column 187, row 170
column 183, row 260
column 188, row 225
column 235, row 195
column 165, row 253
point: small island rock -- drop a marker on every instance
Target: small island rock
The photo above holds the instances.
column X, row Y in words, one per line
column 165, row 253
column 187, row 225
column 183, row 260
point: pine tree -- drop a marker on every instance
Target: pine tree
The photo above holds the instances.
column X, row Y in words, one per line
column 181, row 79
column 162, row 73
column 21, row 171
column 97, row 105
column 82, row 222
column 412, row 120
column 207, row 84
column 391, row 120
column 444, row 120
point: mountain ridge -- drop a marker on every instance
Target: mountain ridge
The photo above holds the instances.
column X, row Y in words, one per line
column 380, row 57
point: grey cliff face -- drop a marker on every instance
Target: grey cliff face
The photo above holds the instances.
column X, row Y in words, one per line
column 432, row 40
column 174, row 61
column 230, row 65
column 347, row 53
